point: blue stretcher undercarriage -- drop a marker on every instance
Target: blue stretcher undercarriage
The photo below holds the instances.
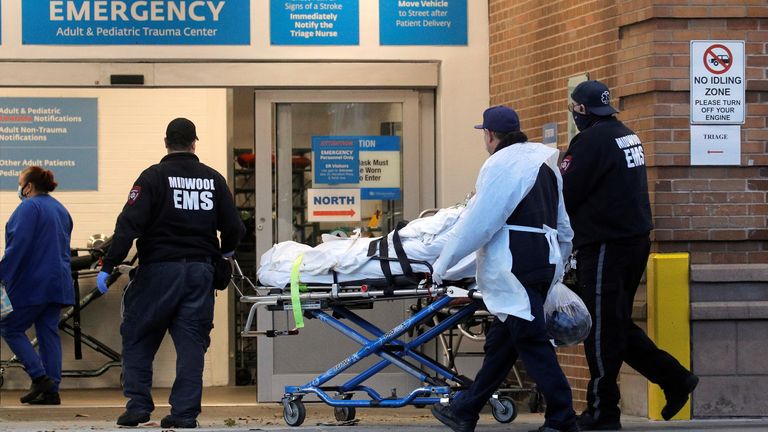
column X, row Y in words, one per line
column 439, row 383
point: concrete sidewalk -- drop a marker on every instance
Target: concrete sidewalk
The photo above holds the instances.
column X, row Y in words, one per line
column 235, row 409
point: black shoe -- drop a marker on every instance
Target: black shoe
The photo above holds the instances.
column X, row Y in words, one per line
column 39, row 386
column 586, row 422
column 170, row 421
column 677, row 397
column 47, row 399
column 132, row 418
column 574, row 428
column 448, row 418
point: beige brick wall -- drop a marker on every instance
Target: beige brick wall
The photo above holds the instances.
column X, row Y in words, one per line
column 640, row 48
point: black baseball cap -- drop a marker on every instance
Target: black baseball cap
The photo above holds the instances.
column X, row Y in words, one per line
column 500, row 119
column 181, row 128
column 595, row 96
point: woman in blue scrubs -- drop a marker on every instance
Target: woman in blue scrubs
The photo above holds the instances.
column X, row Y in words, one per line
column 36, row 271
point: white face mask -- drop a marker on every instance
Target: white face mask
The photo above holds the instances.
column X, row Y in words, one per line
column 20, row 192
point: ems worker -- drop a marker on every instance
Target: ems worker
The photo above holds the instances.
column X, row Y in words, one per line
column 175, row 209
column 606, row 195
column 518, row 224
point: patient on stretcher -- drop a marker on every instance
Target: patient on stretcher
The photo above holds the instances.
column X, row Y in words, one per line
column 352, row 259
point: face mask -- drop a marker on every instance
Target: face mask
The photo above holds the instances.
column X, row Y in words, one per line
column 582, row 121
column 20, row 192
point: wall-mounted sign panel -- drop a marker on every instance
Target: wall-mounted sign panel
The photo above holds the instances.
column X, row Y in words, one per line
column 59, row 134
column 380, row 171
column 718, row 82
column 136, row 22
column 715, row 145
column 423, row 22
column 333, row 205
column 549, row 134
column 317, row 22
column 336, row 160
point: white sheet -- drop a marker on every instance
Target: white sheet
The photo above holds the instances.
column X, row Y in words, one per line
column 422, row 239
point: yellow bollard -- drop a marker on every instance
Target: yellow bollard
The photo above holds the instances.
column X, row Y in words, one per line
column 669, row 319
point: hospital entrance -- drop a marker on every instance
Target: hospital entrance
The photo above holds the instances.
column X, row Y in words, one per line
column 342, row 165
column 303, row 165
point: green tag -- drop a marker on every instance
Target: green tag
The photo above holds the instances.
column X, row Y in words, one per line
column 296, row 288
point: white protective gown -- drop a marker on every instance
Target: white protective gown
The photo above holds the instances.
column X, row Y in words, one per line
column 504, row 180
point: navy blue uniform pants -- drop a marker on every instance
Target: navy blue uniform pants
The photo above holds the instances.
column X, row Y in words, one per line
column 608, row 275
column 177, row 297
column 45, row 318
column 504, row 343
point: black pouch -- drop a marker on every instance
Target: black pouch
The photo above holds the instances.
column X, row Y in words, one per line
column 222, row 273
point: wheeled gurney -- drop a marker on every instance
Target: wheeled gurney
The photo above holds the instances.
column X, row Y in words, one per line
column 439, row 383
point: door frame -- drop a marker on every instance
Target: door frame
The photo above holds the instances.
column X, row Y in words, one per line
column 418, row 164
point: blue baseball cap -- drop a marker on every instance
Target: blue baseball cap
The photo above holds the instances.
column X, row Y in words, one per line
column 595, row 96
column 500, row 119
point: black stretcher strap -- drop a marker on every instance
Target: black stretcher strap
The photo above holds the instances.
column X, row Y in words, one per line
column 402, row 258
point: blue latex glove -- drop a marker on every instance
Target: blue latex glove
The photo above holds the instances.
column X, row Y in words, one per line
column 228, row 254
column 101, row 282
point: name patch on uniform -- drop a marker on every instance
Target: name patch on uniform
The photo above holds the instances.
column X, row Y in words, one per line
column 134, row 194
column 633, row 150
column 565, row 164
column 192, row 193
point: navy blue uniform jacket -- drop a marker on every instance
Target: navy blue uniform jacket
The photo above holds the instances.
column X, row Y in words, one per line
column 175, row 209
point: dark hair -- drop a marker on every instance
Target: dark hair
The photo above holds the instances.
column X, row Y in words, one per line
column 177, row 142
column 511, row 137
column 41, row 178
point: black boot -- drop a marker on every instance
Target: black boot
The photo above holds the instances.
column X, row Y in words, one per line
column 449, row 418
column 170, row 421
column 678, row 396
column 47, row 399
column 39, row 386
column 132, row 418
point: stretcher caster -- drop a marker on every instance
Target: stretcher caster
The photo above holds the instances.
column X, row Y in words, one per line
column 294, row 412
column 344, row 414
column 503, row 409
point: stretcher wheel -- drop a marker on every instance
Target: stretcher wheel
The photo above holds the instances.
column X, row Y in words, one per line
column 294, row 413
column 343, row 414
column 506, row 412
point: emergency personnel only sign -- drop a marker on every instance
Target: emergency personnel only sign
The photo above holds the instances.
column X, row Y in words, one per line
column 717, row 82
column 333, row 205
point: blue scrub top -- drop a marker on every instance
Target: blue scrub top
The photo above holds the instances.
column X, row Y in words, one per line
column 36, row 264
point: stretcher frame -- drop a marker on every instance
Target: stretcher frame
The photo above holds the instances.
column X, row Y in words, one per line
column 83, row 267
column 340, row 299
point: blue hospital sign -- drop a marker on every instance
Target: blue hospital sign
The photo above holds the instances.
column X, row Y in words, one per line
column 423, row 22
column 318, row 22
column 336, row 160
column 136, row 22
column 59, row 134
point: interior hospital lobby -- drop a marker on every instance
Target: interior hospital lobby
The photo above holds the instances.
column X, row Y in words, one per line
column 269, row 83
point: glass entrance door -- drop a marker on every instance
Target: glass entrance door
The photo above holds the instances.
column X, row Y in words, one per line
column 343, row 163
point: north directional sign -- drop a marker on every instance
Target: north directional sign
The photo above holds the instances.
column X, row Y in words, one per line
column 333, row 205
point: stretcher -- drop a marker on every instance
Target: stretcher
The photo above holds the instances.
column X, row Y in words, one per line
column 85, row 263
column 335, row 302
